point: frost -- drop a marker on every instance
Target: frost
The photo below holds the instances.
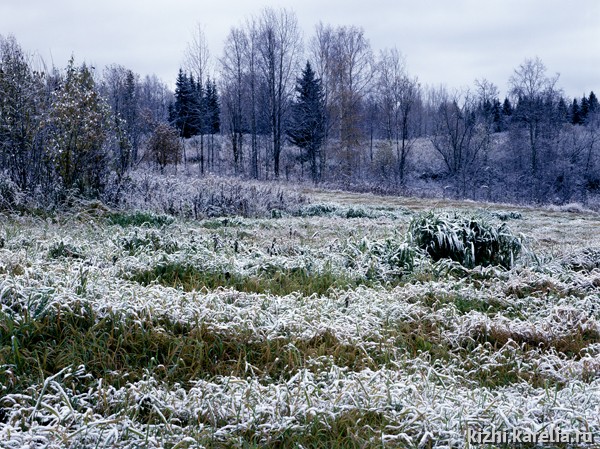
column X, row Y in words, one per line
column 441, row 352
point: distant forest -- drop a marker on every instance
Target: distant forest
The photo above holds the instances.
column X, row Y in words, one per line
column 329, row 111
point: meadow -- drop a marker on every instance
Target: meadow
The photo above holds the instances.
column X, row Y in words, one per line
column 320, row 322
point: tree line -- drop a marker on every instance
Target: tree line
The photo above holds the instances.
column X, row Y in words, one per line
column 330, row 110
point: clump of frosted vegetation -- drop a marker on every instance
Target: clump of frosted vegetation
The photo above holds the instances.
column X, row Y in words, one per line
column 197, row 198
column 355, row 211
column 471, row 241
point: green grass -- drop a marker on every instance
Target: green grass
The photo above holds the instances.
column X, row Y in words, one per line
column 219, row 223
column 348, row 430
column 62, row 249
column 276, row 282
column 122, row 348
column 150, row 241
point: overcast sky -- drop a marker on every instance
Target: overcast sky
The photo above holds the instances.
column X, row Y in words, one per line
column 451, row 42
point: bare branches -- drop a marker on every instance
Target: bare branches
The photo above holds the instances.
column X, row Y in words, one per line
column 197, row 55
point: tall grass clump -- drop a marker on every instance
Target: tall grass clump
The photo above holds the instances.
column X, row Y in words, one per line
column 199, row 198
column 386, row 261
column 471, row 241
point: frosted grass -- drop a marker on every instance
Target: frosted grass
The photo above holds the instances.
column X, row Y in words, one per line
column 422, row 400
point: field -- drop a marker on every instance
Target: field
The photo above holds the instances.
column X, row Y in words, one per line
column 321, row 327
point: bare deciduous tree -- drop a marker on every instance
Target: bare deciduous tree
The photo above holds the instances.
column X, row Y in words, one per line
column 232, row 75
column 459, row 137
column 533, row 90
column 344, row 61
column 197, row 62
column 280, row 45
column 398, row 96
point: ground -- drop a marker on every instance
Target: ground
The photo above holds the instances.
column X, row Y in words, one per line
column 311, row 328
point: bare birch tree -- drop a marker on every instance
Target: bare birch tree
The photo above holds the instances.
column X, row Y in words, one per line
column 232, row 75
column 398, row 96
column 280, row 47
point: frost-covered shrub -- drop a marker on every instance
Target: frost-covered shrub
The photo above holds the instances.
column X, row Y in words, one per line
column 207, row 197
column 470, row 241
column 585, row 259
column 507, row 215
column 342, row 211
column 358, row 212
column 9, row 193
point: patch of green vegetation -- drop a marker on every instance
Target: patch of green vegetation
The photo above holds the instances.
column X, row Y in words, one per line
column 221, row 223
column 62, row 249
column 471, row 241
column 350, row 429
column 507, row 215
column 465, row 304
column 571, row 344
column 387, row 261
column 317, row 210
column 358, row 212
column 139, row 218
column 327, row 210
column 151, row 241
column 276, row 282
column 122, row 348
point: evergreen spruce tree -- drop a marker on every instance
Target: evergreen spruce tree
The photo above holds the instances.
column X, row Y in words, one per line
column 198, row 107
column 182, row 115
column 562, row 110
column 507, row 108
column 213, row 108
column 497, row 116
column 212, row 118
column 306, row 128
column 593, row 101
column 575, row 113
column 584, row 110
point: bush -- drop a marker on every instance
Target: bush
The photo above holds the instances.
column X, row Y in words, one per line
column 9, row 193
column 471, row 241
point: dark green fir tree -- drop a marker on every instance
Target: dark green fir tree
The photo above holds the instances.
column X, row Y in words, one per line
column 306, row 129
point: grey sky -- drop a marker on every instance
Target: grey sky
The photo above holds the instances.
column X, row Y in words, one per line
column 450, row 42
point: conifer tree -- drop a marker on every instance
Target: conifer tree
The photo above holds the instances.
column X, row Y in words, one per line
column 307, row 126
column 584, row 110
column 507, row 108
column 562, row 110
column 575, row 113
column 213, row 108
column 182, row 116
column 593, row 100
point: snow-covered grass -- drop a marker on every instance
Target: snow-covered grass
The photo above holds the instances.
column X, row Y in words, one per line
column 320, row 328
